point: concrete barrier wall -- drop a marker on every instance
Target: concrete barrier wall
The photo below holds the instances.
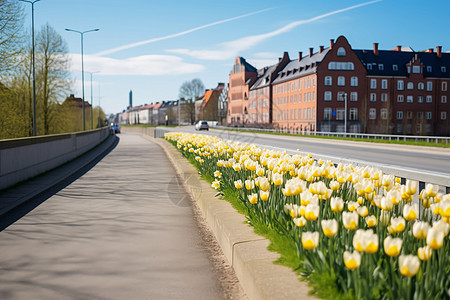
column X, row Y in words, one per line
column 24, row 158
column 139, row 130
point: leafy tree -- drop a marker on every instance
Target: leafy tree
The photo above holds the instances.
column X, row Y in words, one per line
column 11, row 34
column 189, row 92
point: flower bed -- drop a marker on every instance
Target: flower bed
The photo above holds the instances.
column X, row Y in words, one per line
column 369, row 235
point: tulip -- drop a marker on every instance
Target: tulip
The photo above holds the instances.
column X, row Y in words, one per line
column 220, row 163
column 329, row 227
column 435, row 238
column 352, row 260
column 249, row 184
column 411, row 211
column 312, row 212
column 215, row 184
column 424, row 253
column 238, row 184
column 253, row 198
column 337, row 204
column 217, row 174
column 371, row 221
column 358, row 240
column 420, row 229
column 431, row 190
column 362, row 211
column 237, row 167
column 386, row 203
column 371, row 242
column 310, row 240
column 411, row 187
column 264, row 183
column 392, row 246
column 350, row 220
column 445, row 208
column 442, row 225
column 264, row 195
column 352, row 205
column 277, row 179
column 398, row 224
column 334, row 185
column 260, row 171
column 408, row 265
column 300, row 222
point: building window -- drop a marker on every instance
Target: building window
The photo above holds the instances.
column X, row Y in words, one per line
column 443, row 115
column 299, row 113
column 372, row 113
column 429, row 69
column 341, row 81
column 383, row 97
column 444, row 86
column 373, row 97
column 428, row 115
column 420, row 86
column 354, row 96
column 354, row 81
column 327, row 113
column 340, row 114
column 380, row 67
column 341, row 96
column 443, row 99
column 409, row 99
column 353, row 114
column 443, row 69
column 341, row 51
column 384, row 114
column 419, row 115
column 429, row 86
column 420, row 99
column 373, row 83
column 337, row 65
column 369, row 66
column 429, row 99
column 416, row 69
column 394, row 68
column 328, row 80
column 384, row 84
column 400, row 115
column 410, row 86
column 400, row 98
column 400, row 85
column 327, row 96
column 409, row 115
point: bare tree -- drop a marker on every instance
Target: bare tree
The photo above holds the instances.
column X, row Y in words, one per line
column 11, row 34
column 189, row 92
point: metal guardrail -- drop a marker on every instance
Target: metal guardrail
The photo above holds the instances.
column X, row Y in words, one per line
column 416, row 138
column 423, row 177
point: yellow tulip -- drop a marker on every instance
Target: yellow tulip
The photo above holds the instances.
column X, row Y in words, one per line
column 358, row 240
column 220, row 163
column 350, row 220
column 424, row 253
column 264, row 195
column 300, row 222
column 398, row 224
column 238, row 184
column 408, row 265
column 329, row 227
column 337, row 204
column 352, row 260
column 312, row 212
column 264, row 183
column 237, row 167
column 371, row 221
column 442, row 225
column 431, row 190
column 249, row 184
column 386, row 203
column 435, row 238
column 352, row 205
column 334, row 185
column 260, row 171
column 445, row 208
column 277, row 178
column 362, row 211
column 411, row 211
column 392, row 246
column 310, row 240
column 420, row 229
column 253, row 198
column 411, row 187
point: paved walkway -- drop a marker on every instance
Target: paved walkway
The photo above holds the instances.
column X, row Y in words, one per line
column 118, row 232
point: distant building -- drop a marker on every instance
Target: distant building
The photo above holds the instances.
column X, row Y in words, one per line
column 206, row 108
column 76, row 102
column 397, row 91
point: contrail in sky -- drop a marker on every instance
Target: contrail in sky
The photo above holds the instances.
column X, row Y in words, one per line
column 113, row 50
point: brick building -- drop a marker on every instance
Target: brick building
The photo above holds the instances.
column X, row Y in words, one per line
column 395, row 91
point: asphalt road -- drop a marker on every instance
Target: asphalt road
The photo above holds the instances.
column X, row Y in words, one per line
column 426, row 159
column 124, row 230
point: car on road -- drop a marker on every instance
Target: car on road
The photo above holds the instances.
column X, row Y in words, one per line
column 115, row 128
column 202, row 125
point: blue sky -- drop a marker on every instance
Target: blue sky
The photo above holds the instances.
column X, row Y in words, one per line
column 152, row 47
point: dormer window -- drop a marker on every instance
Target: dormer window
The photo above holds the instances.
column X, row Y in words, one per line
column 369, row 67
column 381, row 67
column 394, row 67
column 341, row 51
column 416, row 69
column 429, row 69
column 443, row 69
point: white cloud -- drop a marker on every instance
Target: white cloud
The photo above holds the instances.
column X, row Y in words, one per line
column 128, row 46
column 151, row 65
column 260, row 63
column 231, row 49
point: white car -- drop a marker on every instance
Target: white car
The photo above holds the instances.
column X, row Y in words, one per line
column 202, row 125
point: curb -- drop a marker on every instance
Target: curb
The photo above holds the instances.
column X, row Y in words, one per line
column 246, row 251
column 21, row 193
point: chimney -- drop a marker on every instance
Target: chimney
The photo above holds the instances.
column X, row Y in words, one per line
column 439, row 51
column 375, row 48
column 331, row 43
column 320, row 49
column 279, row 59
column 300, row 53
column 311, row 52
column 399, row 48
column 431, row 50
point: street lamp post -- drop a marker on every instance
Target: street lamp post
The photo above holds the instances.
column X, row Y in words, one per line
column 34, row 72
column 92, row 102
column 345, row 113
column 82, row 69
